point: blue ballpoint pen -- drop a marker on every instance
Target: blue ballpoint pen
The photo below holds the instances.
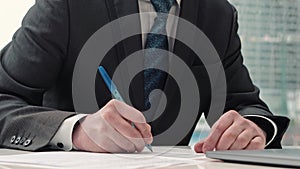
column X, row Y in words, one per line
column 114, row 91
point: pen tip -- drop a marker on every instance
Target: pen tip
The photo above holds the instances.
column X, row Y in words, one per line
column 149, row 147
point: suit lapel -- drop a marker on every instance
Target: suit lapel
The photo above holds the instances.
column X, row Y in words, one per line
column 118, row 9
column 189, row 11
column 123, row 8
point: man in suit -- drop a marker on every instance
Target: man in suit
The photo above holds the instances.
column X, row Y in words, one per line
column 36, row 106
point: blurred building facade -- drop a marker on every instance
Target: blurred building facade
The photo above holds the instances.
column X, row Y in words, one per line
column 270, row 35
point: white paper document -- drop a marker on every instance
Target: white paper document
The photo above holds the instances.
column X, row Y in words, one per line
column 160, row 157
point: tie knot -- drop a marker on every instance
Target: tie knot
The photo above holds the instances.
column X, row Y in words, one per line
column 162, row 6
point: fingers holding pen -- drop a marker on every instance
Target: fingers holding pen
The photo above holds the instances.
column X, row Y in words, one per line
column 110, row 130
column 136, row 117
column 121, row 119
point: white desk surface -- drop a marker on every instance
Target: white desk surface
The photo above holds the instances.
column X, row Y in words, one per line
column 207, row 164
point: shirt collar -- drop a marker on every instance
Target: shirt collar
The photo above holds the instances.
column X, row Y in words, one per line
column 177, row 2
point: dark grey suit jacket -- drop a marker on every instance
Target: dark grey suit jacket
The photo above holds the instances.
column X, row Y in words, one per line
column 36, row 67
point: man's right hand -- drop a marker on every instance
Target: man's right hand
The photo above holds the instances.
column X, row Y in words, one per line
column 110, row 130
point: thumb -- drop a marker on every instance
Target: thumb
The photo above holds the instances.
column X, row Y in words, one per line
column 198, row 147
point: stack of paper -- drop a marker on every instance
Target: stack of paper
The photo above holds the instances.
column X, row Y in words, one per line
column 161, row 157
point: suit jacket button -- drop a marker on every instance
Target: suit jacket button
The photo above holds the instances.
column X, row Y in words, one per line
column 18, row 139
column 12, row 139
column 27, row 143
column 60, row 145
column 23, row 140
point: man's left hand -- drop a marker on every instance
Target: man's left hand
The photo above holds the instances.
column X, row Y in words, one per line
column 233, row 132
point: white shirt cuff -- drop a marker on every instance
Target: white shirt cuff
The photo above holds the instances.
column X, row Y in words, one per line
column 271, row 122
column 63, row 137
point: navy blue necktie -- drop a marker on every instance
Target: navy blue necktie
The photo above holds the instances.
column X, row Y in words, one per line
column 156, row 39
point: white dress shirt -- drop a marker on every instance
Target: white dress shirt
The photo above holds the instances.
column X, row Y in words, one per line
column 63, row 137
column 148, row 20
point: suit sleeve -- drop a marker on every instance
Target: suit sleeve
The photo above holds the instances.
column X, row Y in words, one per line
column 29, row 65
column 242, row 95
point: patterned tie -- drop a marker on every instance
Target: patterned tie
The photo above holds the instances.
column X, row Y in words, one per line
column 156, row 39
